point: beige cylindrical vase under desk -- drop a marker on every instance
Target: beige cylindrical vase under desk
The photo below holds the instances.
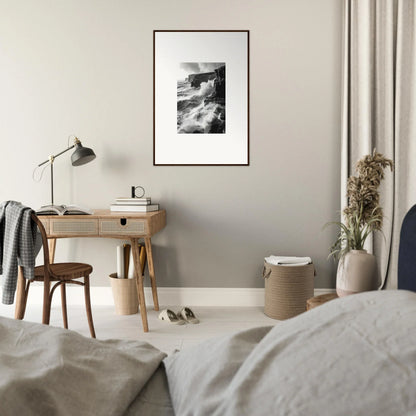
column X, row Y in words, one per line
column 125, row 295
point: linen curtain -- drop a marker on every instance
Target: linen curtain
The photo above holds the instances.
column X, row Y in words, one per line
column 379, row 111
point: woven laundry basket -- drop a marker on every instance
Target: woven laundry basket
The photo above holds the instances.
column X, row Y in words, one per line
column 287, row 288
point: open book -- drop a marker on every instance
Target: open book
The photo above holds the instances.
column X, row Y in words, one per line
column 63, row 210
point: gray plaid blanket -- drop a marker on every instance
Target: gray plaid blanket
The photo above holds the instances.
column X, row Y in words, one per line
column 19, row 244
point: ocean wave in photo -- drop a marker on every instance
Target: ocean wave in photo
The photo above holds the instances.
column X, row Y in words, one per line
column 201, row 99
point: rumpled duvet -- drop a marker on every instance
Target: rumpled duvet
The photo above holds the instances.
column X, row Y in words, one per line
column 52, row 371
column 351, row 356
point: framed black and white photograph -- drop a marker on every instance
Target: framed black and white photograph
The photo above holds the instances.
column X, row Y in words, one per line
column 200, row 97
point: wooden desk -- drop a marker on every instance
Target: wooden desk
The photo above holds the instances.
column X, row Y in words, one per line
column 108, row 224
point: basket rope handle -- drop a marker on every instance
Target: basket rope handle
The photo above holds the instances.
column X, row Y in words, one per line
column 266, row 272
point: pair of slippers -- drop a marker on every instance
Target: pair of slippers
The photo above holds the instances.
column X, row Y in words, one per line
column 185, row 315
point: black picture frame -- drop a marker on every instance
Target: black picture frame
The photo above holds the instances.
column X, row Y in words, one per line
column 222, row 138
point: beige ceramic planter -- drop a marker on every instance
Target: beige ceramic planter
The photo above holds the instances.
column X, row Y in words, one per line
column 357, row 272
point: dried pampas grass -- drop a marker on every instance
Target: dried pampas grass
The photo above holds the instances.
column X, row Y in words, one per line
column 363, row 215
column 362, row 190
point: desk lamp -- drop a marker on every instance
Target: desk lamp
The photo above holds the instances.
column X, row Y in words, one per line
column 81, row 156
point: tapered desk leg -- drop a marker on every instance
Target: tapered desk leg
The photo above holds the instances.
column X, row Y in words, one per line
column 19, row 311
column 139, row 282
column 148, row 244
column 52, row 247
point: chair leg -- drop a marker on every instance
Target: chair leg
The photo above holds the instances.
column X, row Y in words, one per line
column 46, row 313
column 25, row 300
column 63, row 303
column 21, row 302
column 19, row 312
column 88, row 304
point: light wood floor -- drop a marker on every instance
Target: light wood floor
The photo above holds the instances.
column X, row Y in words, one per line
column 214, row 321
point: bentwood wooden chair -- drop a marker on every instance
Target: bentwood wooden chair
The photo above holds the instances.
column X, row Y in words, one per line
column 60, row 274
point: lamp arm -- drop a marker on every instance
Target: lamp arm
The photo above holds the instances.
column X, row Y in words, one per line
column 51, row 158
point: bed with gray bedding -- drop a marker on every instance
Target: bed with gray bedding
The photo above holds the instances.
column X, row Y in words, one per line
column 352, row 356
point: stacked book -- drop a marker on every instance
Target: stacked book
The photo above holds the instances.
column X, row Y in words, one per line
column 134, row 205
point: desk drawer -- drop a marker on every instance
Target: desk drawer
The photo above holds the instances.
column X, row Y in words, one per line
column 123, row 226
column 70, row 227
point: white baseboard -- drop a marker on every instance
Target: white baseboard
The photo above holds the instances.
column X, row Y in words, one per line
column 168, row 296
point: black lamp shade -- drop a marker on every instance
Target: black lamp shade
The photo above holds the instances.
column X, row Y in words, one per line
column 82, row 155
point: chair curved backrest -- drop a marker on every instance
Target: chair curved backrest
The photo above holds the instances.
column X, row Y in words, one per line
column 46, row 261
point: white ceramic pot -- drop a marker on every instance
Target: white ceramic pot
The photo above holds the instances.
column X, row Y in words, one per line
column 357, row 272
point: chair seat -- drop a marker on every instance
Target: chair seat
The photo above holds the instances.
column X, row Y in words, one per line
column 65, row 271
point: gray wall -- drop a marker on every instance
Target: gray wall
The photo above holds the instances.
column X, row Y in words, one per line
column 85, row 68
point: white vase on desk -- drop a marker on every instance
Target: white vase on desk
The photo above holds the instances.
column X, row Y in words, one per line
column 357, row 272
